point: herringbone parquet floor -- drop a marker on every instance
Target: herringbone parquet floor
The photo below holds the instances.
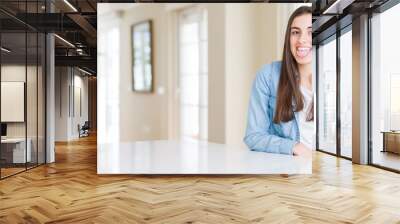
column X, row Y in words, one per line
column 70, row 191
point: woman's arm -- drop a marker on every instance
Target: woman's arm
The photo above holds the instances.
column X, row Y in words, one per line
column 258, row 136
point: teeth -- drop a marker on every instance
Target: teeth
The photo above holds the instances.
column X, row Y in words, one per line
column 303, row 51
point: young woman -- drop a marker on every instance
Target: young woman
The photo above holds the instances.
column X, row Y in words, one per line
column 281, row 110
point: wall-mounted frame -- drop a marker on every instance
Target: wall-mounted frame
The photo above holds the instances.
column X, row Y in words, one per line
column 13, row 99
column 142, row 57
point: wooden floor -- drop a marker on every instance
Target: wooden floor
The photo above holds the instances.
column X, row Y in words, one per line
column 10, row 171
column 70, row 191
column 387, row 159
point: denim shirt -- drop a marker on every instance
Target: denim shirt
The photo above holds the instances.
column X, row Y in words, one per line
column 262, row 134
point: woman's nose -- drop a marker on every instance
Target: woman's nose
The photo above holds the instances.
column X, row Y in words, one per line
column 303, row 38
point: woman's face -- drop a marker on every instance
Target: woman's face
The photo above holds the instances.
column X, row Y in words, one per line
column 301, row 39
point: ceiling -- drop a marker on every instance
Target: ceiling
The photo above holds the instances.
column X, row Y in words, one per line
column 76, row 22
column 72, row 20
column 332, row 15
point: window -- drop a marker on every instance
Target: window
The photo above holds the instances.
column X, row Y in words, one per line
column 394, row 101
column 327, row 97
column 385, row 89
column 108, row 84
column 193, row 73
column 346, row 94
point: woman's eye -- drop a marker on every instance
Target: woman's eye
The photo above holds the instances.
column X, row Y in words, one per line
column 295, row 32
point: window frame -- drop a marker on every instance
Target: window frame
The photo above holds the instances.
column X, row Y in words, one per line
column 333, row 37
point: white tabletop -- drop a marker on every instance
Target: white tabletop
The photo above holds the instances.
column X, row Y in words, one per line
column 13, row 140
column 191, row 157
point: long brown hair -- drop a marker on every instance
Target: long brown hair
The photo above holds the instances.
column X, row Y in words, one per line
column 289, row 86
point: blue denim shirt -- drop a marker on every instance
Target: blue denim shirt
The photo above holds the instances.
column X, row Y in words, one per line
column 262, row 134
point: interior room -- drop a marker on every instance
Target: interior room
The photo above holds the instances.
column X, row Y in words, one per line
column 336, row 91
column 42, row 77
column 22, row 99
column 201, row 79
column 87, row 84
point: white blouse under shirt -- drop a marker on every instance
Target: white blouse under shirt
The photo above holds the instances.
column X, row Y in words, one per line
column 307, row 129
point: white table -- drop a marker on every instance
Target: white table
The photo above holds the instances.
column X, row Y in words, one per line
column 193, row 157
column 19, row 155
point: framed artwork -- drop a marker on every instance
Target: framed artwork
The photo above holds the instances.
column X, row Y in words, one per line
column 142, row 57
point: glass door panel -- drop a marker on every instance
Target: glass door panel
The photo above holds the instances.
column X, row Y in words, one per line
column 13, row 93
column 327, row 97
column 346, row 94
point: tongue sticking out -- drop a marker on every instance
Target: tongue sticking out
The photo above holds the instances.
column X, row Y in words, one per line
column 302, row 52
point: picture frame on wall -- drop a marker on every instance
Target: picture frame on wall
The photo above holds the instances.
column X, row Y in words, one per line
column 142, row 57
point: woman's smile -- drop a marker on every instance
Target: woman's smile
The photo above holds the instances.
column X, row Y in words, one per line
column 302, row 52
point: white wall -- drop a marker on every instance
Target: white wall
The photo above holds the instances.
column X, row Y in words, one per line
column 80, row 83
column 34, row 126
column 144, row 115
column 216, row 72
column 250, row 43
column 14, row 73
column 11, row 73
column 61, row 103
column 66, row 84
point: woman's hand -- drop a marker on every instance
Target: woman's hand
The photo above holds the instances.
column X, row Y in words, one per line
column 301, row 150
